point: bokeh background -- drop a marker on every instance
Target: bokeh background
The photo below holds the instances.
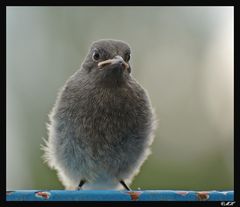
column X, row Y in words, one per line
column 183, row 56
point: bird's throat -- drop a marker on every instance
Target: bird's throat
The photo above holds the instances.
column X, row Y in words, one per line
column 113, row 77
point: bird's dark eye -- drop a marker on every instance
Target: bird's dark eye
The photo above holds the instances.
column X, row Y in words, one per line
column 96, row 56
column 127, row 57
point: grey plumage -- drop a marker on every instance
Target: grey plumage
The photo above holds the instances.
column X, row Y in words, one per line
column 102, row 124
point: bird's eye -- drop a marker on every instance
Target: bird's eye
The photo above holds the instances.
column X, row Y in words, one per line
column 96, row 56
column 127, row 57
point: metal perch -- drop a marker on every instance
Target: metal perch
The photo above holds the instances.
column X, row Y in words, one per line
column 114, row 195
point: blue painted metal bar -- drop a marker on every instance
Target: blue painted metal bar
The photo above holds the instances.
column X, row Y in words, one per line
column 114, row 195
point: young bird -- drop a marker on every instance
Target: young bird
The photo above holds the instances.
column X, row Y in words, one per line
column 102, row 124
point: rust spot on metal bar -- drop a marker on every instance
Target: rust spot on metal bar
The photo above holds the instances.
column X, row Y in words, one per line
column 183, row 193
column 10, row 192
column 203, row 196
column 134, row 195
column 43, row 194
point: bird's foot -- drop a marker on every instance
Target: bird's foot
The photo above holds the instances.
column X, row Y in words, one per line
column 81, row 184
column 79, row 188
column 125, row 185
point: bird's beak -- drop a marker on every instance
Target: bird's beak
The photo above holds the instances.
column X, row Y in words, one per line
column 116, row 60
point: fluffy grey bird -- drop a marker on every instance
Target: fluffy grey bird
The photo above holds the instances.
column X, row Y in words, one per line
column 102, row 124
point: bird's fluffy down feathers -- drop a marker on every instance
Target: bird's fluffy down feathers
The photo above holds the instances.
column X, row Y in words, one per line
column 100, row 132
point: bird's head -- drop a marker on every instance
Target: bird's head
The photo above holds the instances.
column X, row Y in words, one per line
column 108, row 61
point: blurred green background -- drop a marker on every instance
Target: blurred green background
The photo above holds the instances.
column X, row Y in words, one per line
column 183, row 56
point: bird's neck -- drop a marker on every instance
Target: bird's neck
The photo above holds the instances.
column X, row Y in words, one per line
column 111, row 80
